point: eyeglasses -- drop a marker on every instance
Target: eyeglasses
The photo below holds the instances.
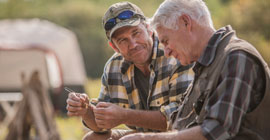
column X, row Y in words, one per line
column 122, row 16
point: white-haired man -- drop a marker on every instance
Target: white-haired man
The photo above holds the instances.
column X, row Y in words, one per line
column 140, row 86
column 230, row 95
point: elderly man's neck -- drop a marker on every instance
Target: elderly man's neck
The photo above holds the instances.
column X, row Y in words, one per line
column 203, row 36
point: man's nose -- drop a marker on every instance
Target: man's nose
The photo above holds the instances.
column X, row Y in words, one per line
column 132, row 43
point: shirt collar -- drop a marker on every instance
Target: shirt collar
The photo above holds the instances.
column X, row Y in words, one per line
column 209, row 52
column 155, row 53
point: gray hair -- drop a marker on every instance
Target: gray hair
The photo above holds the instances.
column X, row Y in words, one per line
column 168, row 13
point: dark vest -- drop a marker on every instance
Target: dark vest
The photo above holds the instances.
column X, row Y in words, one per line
column 255, row 125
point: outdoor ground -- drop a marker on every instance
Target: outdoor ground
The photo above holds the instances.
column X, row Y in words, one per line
column 71, row 128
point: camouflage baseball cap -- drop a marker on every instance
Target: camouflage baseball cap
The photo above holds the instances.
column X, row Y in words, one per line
column 118, row 8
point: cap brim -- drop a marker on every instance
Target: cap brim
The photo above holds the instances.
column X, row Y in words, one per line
column 130, row 22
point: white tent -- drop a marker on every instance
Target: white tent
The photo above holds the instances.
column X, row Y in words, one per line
column 28, row 44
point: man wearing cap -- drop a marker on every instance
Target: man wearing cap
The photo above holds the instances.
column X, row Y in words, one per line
column 140, row 86
column 230, row 95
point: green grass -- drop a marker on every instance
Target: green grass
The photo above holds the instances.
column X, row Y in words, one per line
column 71, row 128
column 3, row 132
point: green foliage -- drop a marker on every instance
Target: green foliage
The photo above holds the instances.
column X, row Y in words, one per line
column 251, row 21
column 70, row 128
column 248, row 17
column 81, row 16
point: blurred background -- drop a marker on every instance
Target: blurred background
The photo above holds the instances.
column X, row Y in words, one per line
column 71, row 31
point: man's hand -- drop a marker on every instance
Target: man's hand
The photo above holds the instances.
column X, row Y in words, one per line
column 136, row 136
column 108, row 115
column 77, row 104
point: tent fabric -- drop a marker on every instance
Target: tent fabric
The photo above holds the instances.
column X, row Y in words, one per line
column 15, row 62
column 23, row 34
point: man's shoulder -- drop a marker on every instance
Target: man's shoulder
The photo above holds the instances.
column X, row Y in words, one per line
column 116, row 57
column 114, row 63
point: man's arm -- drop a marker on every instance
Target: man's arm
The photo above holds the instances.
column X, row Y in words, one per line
column 194, row 133
column 89, row 119
column 109, row 115
column 147, row 119
column 239, row 90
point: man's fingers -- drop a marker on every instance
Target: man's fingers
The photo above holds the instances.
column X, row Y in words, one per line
column 100, row 123
column 74, row 103
column 100, row 116
column 84, row 97
column 103, row 105
column 73, row 96
column 92, row 107
column 69, row 113
column 73, row 109
column 100, row 111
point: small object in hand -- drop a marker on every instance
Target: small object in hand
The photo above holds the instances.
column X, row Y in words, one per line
column 68, row 89
column 94, row 101
column 85, row 105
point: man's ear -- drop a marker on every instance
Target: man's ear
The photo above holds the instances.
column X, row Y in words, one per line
column 113, row 47
column 185, row 21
